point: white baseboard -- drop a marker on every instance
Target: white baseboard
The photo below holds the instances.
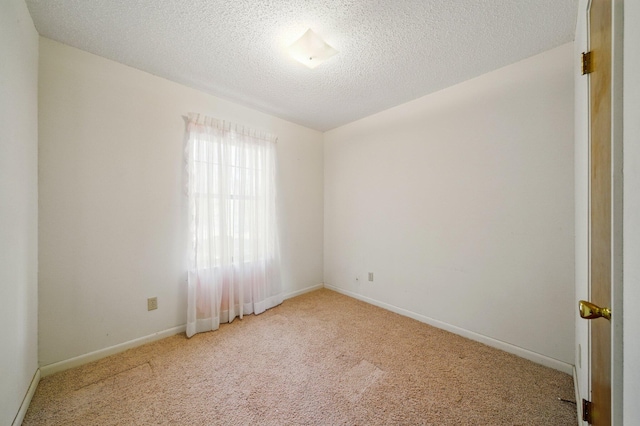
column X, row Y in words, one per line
column 17, row 421
column 49, row 369
column 507, row 347
column 303, row 291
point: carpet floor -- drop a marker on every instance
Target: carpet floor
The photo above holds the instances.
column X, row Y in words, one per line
column 318, row 359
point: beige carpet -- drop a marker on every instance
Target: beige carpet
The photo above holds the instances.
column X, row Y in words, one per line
column 318, row 359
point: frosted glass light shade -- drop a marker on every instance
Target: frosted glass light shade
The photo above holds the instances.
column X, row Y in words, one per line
column 311, row 50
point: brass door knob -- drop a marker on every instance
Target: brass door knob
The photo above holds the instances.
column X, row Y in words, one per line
column 590, row 311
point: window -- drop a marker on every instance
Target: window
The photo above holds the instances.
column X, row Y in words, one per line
column 232, row 217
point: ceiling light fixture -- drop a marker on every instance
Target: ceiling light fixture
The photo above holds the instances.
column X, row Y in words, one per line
column 311, row 50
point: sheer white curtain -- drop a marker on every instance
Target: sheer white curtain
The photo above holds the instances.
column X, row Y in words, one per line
column 234, row 258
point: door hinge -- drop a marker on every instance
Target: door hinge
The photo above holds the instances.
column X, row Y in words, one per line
column 587, row 66
column 586, row 411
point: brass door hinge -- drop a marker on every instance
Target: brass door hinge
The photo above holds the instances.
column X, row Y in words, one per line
column 587, row 66
column 586, row 411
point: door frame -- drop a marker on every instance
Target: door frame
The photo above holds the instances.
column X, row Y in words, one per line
column 582, row 202
column 582, row 165
column 617, row 211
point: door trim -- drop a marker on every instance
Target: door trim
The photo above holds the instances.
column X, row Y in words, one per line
column 617, row 211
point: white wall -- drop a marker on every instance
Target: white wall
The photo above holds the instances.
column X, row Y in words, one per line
column 461, row 203
column 18, row 206
column 112, row 205
column 631, row 221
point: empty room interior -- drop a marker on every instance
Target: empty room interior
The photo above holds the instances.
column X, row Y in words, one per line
column 396, row 226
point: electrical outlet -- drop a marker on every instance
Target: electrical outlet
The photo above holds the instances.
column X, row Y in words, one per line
column 370, row 276
column 152, row 303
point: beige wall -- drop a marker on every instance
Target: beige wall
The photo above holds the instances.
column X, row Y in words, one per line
column 461, row 204
column 18, row 205
column 112, row 203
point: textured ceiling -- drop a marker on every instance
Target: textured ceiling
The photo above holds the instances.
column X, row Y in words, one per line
column 391, row 51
